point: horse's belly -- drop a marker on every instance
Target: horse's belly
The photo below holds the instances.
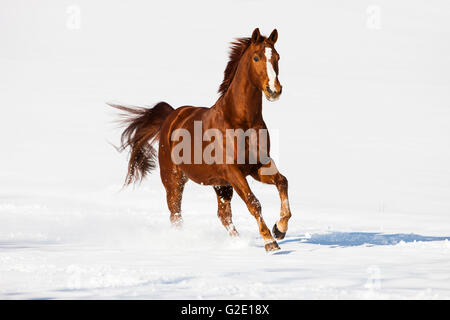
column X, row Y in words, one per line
column 201, row 175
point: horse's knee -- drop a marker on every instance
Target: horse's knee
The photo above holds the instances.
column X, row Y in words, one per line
column 281, row 181
column 224, row 192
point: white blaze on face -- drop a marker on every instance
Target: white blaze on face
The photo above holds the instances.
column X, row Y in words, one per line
column 270, row 71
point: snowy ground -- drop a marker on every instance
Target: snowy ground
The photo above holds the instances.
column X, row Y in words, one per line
column 109, row 245
column 361, row 132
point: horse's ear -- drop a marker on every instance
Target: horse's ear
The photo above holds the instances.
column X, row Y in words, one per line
column 256, row 35
column 273, row 36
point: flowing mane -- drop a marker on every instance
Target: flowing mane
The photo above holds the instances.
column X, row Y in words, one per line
column 237, row 49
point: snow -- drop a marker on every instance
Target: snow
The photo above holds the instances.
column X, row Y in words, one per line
column 361, row 132
column 117, row 247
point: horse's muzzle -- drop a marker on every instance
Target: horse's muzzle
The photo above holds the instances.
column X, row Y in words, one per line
column 273, row 95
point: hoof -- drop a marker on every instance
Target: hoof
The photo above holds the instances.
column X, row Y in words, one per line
column 234, row 234
column 232, row 231
column 177, row 224
column 272, row 246
column 277, row 233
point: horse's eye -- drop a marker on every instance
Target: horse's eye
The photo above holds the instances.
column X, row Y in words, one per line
column 256, row 58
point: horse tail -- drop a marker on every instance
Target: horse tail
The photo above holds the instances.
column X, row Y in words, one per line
column 142, row 131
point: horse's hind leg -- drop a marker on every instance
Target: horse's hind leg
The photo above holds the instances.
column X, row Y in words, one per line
column 174, row 181
column 224, row 195
column 269, row 174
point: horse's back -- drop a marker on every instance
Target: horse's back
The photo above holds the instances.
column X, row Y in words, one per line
column 179, row 117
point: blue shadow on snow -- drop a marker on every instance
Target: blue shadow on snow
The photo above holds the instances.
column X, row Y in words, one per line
column 351, row 239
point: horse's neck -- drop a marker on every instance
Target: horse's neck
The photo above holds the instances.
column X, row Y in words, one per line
column 242, row 103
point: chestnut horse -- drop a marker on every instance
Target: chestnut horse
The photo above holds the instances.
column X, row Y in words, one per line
column 251, row 71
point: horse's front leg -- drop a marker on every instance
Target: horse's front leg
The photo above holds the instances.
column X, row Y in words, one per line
column 269, row 174
column 240, row 184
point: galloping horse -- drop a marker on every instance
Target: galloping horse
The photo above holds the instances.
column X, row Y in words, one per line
column 252, row 68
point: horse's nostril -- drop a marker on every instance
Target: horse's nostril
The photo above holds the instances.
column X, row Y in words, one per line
column 268, row 90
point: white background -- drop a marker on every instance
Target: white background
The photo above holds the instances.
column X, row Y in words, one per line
column 362, row 133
